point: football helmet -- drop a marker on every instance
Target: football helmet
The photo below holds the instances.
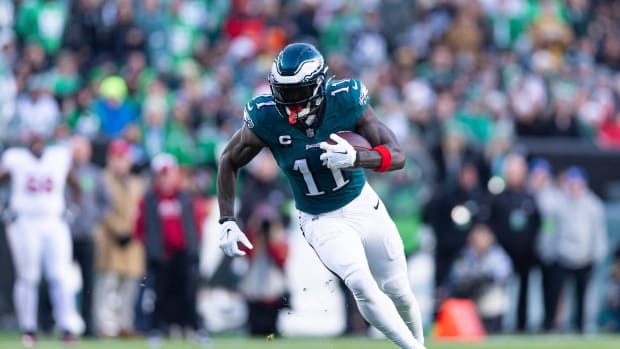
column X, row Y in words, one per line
column 297, row 81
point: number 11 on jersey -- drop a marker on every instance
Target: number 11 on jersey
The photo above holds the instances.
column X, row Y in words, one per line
column 301, row 165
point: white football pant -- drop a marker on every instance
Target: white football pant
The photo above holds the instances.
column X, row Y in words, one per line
column 360, row 244
column 41, row 243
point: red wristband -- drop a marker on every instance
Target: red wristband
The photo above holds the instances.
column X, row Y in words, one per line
column 386, row 158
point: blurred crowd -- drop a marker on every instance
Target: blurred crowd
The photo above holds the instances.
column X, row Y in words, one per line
column 457, row 81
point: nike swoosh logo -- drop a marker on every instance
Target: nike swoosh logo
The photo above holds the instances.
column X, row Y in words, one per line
column 250, row 107
column 342, row 152
column 354, row 85
column 376, row 207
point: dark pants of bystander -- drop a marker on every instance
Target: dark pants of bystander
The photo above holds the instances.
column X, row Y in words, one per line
column 176, row 291
column 83, row 254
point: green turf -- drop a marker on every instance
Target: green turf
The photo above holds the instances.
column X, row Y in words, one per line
column 545, row 342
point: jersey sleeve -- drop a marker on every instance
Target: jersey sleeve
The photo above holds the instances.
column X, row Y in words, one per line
column 9, row 160
column 255, row 114
column 63, row 156
column 359, row 95
column 249, row 118
column 351, row 96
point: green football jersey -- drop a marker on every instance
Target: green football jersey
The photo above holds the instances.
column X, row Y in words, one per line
column 316, row 188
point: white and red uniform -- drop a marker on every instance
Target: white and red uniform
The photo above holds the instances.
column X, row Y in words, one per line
column 39, row 238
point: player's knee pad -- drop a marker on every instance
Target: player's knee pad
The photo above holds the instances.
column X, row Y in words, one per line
column 361, row 284
column 28, row 276
column 398, row 290
column 28, row 280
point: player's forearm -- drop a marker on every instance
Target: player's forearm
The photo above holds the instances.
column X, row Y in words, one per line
column 226, row 186
column 5, row 176
column 242, row 147
column 372, row 159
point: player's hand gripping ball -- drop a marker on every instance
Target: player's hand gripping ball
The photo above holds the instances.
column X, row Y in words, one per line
column 341, row 149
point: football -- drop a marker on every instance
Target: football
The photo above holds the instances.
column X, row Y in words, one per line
column 356, row 140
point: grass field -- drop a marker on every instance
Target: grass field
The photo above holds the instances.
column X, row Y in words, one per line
column 525, row 342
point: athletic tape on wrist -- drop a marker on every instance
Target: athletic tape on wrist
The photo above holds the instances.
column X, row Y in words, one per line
column 226, row 219
column 386, row 158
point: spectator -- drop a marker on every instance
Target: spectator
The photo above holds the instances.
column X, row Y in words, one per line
column 549, row 198
column 65, row 78
column 8, row 93
column 137, row 73
column 564, row 121
column 440, row 70
column 179, row 140
column 7, row 8
column 42, row 22
column 83, row 33
column 139, row 157
column 183, row 34
column 451, row 154
column 304, row 20
column 481, row 273
column 169, row 225
column 154, row 118
column 120, row 258
column 80, row 117
column 264, row 283
column 508, row 21
column 368, row 43
column 407, row 193
column 152, row 20
column 261, row 184
column 581, row 239
column 265, row 214
column 123, row 35
column 465, row 37
column 37, row 110
column 113, row 108
column 550, row 31
column 452, row 213
column 528, row 98
column 610, row 316
column 516, row 221
column 92, row 208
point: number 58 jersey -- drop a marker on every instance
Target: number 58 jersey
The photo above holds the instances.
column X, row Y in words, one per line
column 38, row 184
column 316, row 188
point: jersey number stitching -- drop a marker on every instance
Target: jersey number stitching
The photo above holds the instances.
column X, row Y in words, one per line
column 301, row 165
column 37, row 185
column 342, row 89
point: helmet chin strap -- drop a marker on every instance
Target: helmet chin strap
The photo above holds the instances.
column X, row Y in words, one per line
column 293, row 111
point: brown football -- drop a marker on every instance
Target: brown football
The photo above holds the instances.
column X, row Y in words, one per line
column 355, row 139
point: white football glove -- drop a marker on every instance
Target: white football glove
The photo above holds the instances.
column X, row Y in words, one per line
column 339, row 155
column 230, row 235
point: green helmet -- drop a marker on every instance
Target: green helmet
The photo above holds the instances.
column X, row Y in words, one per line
column 297, row 81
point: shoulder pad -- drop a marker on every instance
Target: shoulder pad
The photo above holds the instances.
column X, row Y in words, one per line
column 256, row 109
column 12, row 156
column 351, row 93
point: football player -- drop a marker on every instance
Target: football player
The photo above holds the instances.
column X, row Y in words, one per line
column 38, row 236
column 341, row 216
